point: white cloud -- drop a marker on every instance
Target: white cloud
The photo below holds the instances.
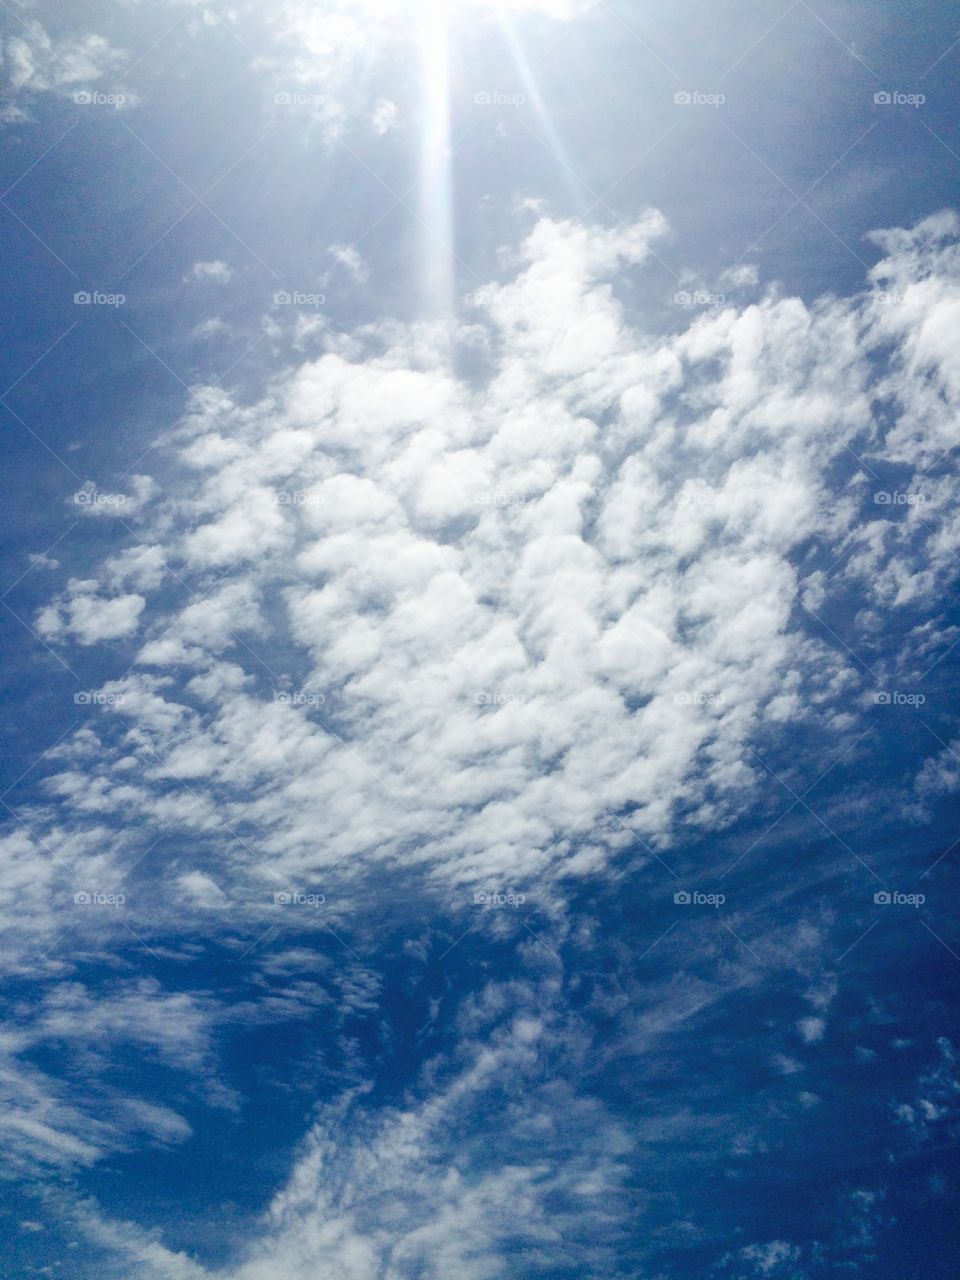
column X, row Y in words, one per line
column 46, row 1122
column 541, row 616
column 940, row 774
column 175, row 1025
column 215, row 272
column 32, row 61
column 90, row 502
column 770, row 1259
column 352, row 261
column 934, row 1108
column 90, row 617
column 203, row 890
column 811, row 1029
column 569, row 592
column 214, row 327
column 384, row 117
column 142, row 567
column 140, row 1249
column 43, row 562
column 380, row 1194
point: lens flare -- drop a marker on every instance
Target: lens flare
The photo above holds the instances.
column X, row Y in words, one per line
column 436, row 179
column 554, row 143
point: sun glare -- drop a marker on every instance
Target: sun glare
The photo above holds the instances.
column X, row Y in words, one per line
column 436, row 181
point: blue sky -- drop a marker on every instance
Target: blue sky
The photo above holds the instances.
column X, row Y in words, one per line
column 480, row 639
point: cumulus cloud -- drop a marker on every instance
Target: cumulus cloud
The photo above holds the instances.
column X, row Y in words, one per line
column 569, row 593
column 90, row 617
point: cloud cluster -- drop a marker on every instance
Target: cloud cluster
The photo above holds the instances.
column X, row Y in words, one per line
column 494, row 613
column 486, row 619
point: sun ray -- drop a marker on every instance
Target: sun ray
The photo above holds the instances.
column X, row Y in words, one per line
column 535, row 97
column 436, row 179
